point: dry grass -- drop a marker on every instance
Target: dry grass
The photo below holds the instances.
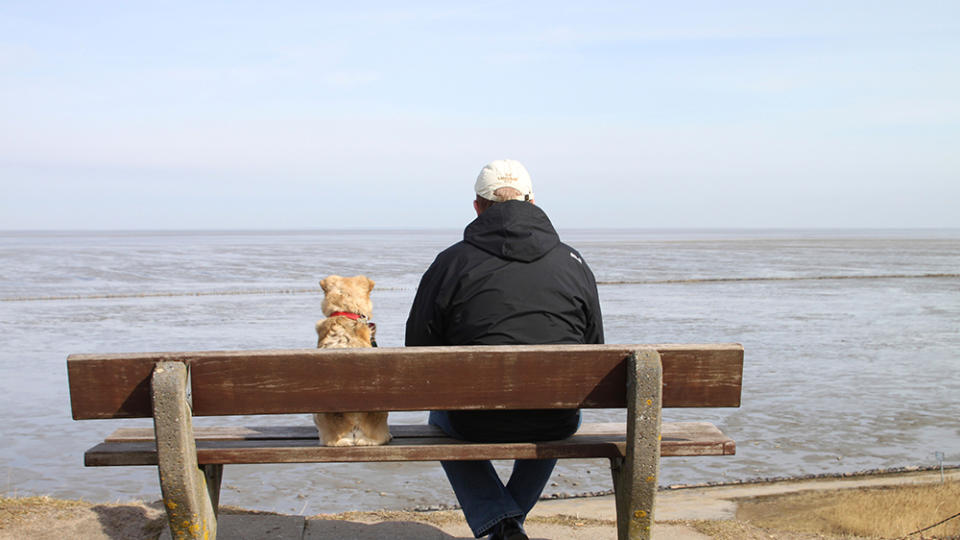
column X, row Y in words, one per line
column 740, row 530
column 865, row 512
column 17, row 509
column 46, row 518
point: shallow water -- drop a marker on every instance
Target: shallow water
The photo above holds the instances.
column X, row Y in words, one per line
column 853, row 372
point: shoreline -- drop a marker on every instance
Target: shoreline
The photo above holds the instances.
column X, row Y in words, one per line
column 853, row 475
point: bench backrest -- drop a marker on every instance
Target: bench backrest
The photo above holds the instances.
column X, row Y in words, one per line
column 404, row 379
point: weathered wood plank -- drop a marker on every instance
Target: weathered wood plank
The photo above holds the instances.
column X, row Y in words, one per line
column 399, row 379
column 603, row 440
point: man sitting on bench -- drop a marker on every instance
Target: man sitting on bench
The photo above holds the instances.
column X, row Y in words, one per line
column 509, row 282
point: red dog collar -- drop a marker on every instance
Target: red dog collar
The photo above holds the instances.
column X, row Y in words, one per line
column 347, row 314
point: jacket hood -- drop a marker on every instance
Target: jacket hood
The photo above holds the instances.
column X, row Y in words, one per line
column 513, row 230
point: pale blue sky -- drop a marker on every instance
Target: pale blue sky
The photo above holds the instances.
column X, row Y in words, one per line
column 277, row 115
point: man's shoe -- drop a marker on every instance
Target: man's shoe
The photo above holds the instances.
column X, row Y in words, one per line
column 511, row 529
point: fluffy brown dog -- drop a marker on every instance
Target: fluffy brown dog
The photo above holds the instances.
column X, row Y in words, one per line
column 348, row 307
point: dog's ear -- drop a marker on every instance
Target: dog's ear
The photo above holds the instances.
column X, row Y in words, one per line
column 328, row 282
column 369, row 285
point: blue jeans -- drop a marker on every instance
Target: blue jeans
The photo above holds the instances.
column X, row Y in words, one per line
column 484, row 498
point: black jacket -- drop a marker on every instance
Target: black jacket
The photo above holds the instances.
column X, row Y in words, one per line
column 509, row 282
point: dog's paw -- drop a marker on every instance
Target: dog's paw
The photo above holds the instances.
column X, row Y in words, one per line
column 364, row 441
column 339, row 442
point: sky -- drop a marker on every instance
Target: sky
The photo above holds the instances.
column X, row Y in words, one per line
column 316, row 115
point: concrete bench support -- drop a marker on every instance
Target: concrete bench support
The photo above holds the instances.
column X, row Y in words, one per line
column 189, row 492
column 635, row 475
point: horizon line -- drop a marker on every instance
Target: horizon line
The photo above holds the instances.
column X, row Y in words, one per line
column 425, row 229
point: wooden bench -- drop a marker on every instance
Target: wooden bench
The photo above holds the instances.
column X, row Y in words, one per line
column 174, row 387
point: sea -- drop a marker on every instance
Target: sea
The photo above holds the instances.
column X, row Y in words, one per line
column 851, row 338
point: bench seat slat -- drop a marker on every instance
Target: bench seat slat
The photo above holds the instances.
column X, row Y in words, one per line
column 260, row 433
column 414, row 443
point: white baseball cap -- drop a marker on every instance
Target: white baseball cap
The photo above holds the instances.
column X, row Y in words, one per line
column 504, row 173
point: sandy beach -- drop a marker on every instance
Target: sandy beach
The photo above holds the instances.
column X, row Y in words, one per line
column 781, row 509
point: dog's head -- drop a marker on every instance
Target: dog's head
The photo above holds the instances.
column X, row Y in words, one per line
column 350, row 294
